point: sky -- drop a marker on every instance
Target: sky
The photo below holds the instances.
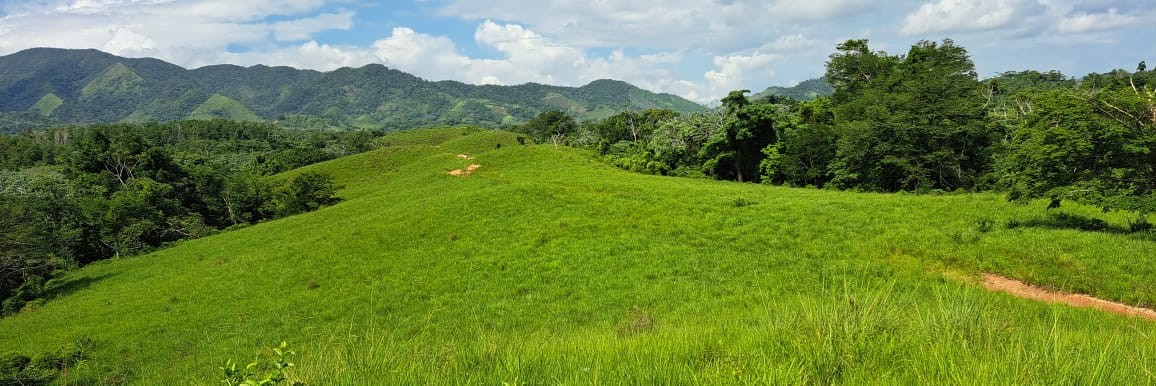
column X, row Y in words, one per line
column 699, row 50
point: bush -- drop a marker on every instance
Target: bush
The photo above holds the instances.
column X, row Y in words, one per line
column 276, row 370
column 19, row 369
column 305, row 193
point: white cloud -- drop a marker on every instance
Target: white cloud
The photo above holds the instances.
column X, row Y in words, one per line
column 165, row 28
column 716, row 26
column 1089, row 22
column 303, row 29
column 738, row 72
column 789, row 43
column 942, row 16
column 123, row 39
column 819, row 9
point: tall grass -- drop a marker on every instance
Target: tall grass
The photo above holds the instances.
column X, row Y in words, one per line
column 546, row 266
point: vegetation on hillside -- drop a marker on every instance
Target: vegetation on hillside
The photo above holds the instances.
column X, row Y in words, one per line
column 87, row 86
column 76, row 195
column 547, row 266
column 544, row 265
column 806, row 90
column 918, row 122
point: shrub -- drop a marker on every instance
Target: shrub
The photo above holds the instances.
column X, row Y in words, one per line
column 305, row 193
column 276, row 370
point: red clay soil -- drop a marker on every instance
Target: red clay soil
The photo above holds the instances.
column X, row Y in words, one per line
column 1018, row 288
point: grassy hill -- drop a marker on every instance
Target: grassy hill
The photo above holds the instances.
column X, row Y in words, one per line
column 89, row 86
column 546, row 266
column 222, row 107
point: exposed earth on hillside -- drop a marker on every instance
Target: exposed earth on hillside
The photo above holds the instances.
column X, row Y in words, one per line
column 1020, row 289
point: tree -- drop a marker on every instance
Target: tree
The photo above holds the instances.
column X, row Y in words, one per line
column 1096, row 145
column 735, row 152
column 552, row 126
column 909, row 122
column 803, row 154
column 306, row 192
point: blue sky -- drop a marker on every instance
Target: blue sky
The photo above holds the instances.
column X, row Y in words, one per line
column 698, row 49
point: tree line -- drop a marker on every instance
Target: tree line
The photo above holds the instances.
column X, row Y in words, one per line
column 71, row 196
column 922, row 121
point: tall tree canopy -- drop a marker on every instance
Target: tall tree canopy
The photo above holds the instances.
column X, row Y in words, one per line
column 910, row 122
column 1095, row 144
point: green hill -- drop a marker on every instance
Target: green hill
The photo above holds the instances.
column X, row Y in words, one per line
column 46, row 105
column 97, row 87
column 546, row 266
column 222, row 107
column 116, row 80
column 804, row 91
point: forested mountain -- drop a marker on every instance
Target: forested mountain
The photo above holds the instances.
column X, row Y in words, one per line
column 44, row 86
column 804, row 91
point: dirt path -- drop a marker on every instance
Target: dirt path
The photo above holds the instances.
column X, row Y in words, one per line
column 1018, row 288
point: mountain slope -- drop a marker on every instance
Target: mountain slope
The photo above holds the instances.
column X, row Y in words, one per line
column 96, row 87
column 804, row 91
column 546, row 266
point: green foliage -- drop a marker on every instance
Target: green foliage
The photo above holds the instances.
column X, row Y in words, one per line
column 914, row 122
column 549, row 127
column 736, row 152
column 46, row 105
column 306, row 192
column 806, row 90
column 1095, row 146
column 276, row 371
column 96, row 87
column 419, row 277
column 73, row 196
column 222, row 107
column 804, row 154
column 21, row 370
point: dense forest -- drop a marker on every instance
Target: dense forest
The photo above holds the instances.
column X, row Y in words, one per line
column 71, row 196
column 917, row 122
column 45, row 87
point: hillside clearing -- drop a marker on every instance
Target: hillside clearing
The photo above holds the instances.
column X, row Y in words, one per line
column 554, row 268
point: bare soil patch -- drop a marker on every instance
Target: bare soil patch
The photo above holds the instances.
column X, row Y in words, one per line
column 468, row 170
column 1018, row 288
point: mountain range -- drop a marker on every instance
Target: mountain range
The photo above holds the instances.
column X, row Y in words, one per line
column 48, row 86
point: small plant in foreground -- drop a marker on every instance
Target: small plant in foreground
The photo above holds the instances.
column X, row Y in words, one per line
column 249, row 376
column 985, row 225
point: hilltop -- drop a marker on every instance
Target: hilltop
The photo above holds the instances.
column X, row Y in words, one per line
column 547, row 266
column 804, row 91
column 45, row 86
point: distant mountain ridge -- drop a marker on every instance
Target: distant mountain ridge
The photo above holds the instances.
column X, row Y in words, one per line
column 804, row 91
column 49, row 86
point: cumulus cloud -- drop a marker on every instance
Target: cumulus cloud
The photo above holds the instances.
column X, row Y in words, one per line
column 736, row 71
column 716, row 26
column 942, row 16
column 1026, row 18
column 305, row 28
column 1088, row 22
column 161, row 27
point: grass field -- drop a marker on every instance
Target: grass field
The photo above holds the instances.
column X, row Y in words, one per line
column 548, row 267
